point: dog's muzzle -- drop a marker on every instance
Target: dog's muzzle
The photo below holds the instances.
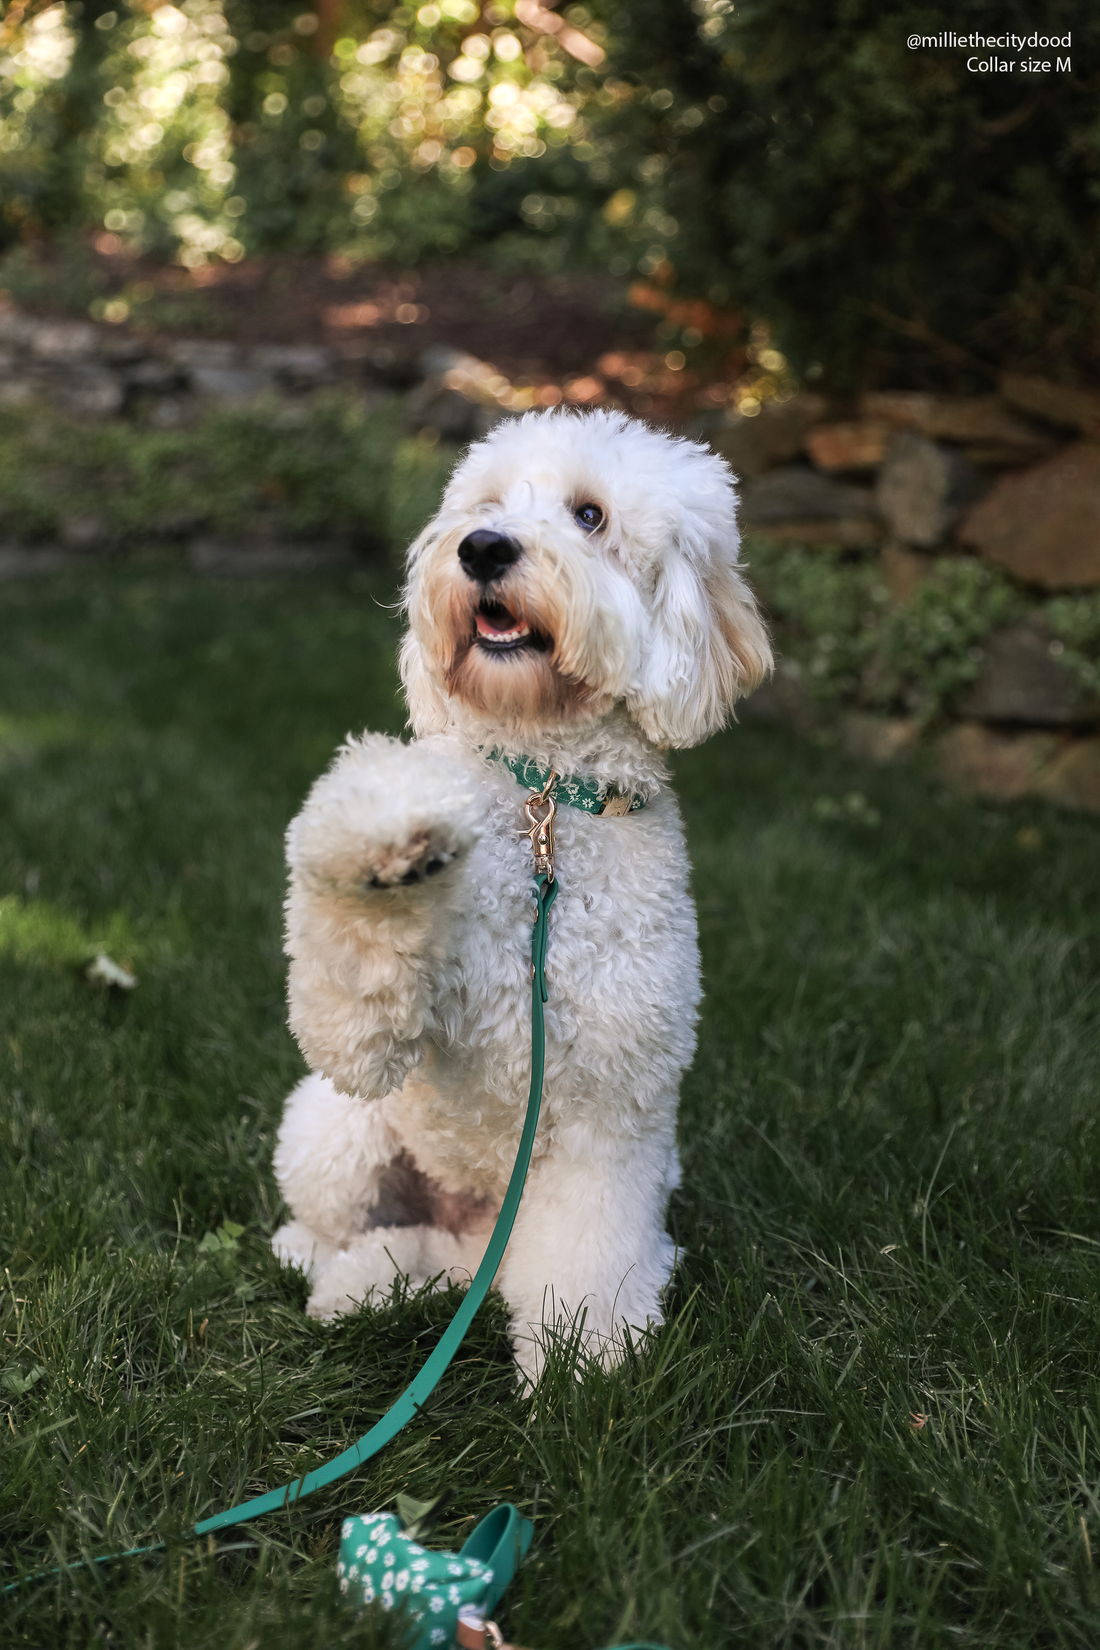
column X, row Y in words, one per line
column 486, row 554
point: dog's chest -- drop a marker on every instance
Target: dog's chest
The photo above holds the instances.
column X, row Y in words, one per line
column 622, row 967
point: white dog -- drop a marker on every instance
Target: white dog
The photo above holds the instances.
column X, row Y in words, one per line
column 576, row 602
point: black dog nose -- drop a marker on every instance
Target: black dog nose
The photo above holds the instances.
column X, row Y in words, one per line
column 485, row 554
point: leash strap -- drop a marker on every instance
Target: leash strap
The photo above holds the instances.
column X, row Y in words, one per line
column 425, row 1382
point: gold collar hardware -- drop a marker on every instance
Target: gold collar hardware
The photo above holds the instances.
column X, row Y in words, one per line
column 542, row 829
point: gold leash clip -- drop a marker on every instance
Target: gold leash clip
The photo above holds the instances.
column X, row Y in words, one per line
column 542, row 830
column 475, row 1633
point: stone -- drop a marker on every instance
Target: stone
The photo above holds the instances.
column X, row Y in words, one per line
column 219, row 556
column 982, row 424
column 432, row 405
column 904, row 409
column 753, row 445
column 121, row 349
column 396, row 368
column 229, row 383
column 851, row 532
column 16, row 392
column 797, row 493
column 879, row 738
column 1065, row 408
column 902, row 570
column 922, row 489
column 64, row 340
column 972, row 757
column 855, row 446
column 16, row 328
column 296, row 364
column 88, row 392
column 153, row 377
column 1022, row 681
column 82, row 533
column 782, row 701
column 173, row 412
column 1072, row 780
column 439, row 359
column 204, row 352
column 175, row 524
column 16, row 561
column 1054, row 767
column 1043, row 524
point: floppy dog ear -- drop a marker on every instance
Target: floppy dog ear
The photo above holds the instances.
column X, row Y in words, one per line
column 708, row 648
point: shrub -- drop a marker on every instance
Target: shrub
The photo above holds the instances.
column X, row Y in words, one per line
column 850, row 646
column 895, row 216
column 930, row 648
column 1075, row 621
column 319, row 469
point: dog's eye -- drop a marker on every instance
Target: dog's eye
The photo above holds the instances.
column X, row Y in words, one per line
column 589, row 516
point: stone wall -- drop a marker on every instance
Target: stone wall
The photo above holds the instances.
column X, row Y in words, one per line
column 1012, row 479
column 90, row 371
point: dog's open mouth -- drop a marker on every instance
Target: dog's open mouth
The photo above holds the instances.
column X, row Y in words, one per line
column 501, row 631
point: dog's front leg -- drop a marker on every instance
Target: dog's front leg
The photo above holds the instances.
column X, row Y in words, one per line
column 375, row 860
column 589, row 1256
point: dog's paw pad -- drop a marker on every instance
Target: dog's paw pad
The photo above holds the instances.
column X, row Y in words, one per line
column 412, row 862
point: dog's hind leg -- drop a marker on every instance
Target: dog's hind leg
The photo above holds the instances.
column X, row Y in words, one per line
column 367, row 1267
column 589, row 1255
column 363, row 1213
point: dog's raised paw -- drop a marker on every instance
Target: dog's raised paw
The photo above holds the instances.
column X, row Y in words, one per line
column 385, row 816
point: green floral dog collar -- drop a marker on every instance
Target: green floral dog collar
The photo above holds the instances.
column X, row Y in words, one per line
column 586, row 794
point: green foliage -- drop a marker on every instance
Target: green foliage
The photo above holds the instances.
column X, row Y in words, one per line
column 210, row 129
column 223, row 1244
column 873, row 1415
column 69, row 281
column 894, row 215
column 828, row 608
column 1075, row 621
column 850, row 645
column 930, row 647
column 326, row 468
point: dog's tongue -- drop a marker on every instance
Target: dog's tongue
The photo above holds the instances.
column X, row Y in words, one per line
column 501, row 626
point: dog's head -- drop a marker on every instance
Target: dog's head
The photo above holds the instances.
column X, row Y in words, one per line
column 579, row 561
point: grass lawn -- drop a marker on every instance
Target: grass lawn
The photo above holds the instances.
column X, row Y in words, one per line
column 874, row 1416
